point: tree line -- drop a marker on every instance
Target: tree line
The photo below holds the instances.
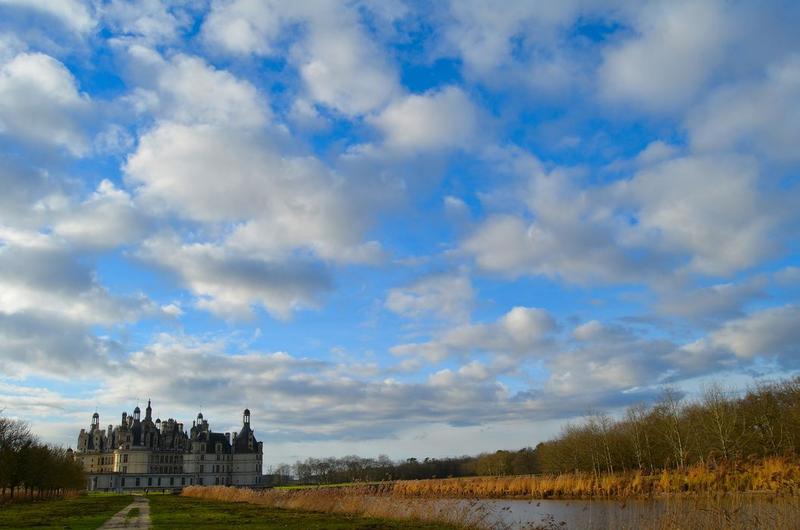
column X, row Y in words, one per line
column 29, row 468
column 672, row 433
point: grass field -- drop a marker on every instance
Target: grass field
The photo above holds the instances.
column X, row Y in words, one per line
column 169, row 512
column 78, row 513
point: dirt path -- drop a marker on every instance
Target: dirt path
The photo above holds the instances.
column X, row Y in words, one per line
column 139, row 520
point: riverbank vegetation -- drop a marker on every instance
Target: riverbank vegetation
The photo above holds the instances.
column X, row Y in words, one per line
column 32, row 470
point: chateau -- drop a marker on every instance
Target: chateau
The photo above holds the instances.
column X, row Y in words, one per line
column 143, row 454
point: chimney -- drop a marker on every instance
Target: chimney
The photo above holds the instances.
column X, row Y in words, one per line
column 228, row 437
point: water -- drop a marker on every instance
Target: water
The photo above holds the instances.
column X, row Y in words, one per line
column 738, row 511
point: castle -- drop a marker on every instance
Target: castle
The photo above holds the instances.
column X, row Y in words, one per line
column 143, row 454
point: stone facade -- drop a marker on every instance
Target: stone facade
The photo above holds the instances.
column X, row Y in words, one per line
column 142, row 454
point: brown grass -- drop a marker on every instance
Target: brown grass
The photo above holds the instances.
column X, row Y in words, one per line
column 366, row 501
column 772, row 475
column 762, row 494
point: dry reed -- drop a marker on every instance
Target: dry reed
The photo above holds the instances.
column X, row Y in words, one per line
column 702, row 496
column 772, row 475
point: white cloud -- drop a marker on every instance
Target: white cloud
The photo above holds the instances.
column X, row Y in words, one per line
column 674, row 52
column 523, row 331
column 51, row 305
column 107, row 219
column 768, row 333
column 39, row 100
column 448, row 296
column 188, row 90
column 702, row 214
column 230, row 284
column 243, row 26
column 704, row 305
column 440, row 119
column 519, row 46
column 152, row 21
column 341, row 67
column 729, row 119
column 75, row 14
column 709, row 207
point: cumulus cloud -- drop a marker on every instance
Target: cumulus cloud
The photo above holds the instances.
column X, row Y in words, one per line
column 74, row 14
column 151, row 21
column 703, row 214
column 448, row 296
column 341, row 67
column 709, row 207
column 186, row 89
column 306, row 397
column 771, row 332
column 728, row 119
column 275, row 212
column 230, row 284
column 673, row 52
column 521, row 332
column 50, row 305
column 244, row 26
column 440, row 119
column 606, row 360
column 40, row 101
column 106, row 219
column 711, row 304
column 519, row 46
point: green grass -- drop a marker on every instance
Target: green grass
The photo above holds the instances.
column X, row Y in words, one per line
column 81, row 513
column 168, row 512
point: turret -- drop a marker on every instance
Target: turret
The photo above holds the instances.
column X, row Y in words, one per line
column 137, row 413
column 95, row 421
column 246, row 417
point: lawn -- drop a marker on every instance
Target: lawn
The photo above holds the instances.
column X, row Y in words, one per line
column 169, row 512
column 81, row 513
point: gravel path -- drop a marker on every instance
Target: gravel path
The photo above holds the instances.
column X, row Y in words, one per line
column 140, row 521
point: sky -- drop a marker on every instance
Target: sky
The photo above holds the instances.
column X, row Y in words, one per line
column 417, row 229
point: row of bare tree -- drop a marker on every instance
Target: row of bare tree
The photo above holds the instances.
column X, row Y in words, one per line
column 719, row 426
column 29, row 468
column 673, row 433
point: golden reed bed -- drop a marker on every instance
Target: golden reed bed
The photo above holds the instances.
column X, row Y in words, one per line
column 773, row 475
column 699, row 497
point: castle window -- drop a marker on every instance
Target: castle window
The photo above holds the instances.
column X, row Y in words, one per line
column 125, row 459
column 159, row 481
column 149, row 481
column 137, row 482
column 124, row 469
column 123, row 482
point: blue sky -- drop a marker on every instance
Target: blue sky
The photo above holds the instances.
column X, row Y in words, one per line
column 416, row 229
